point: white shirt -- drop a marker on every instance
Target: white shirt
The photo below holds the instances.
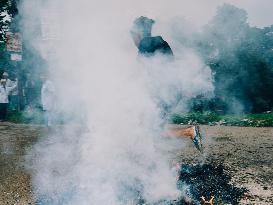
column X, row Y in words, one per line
column 4, row 93
column 11, row 83
column 48, row 95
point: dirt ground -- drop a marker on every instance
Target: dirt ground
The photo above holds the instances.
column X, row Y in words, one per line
column 245, row 152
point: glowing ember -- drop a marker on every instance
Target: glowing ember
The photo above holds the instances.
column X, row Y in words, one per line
column 207, row 202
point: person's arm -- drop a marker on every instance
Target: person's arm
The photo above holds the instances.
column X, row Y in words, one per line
column 13, row 87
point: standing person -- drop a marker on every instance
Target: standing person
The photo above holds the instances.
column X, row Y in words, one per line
column 13, row 96
column 30, row 89
column 4, row 100
column 9, row 83
column 48, row 97
column 149, row 46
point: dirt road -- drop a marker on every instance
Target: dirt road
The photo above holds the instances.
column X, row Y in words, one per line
column 246, row 154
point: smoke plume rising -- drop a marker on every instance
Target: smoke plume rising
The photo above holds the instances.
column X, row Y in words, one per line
column 111, row 149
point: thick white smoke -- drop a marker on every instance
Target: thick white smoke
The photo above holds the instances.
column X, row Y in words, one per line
column 110, row 149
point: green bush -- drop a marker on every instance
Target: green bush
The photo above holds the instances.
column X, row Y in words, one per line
column 209, row 118
column 196, row 118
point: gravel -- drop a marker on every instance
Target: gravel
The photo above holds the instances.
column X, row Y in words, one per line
column 244, row 153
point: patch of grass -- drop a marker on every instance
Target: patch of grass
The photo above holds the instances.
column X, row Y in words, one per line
column 205, row 118
column 196, row 118
column 210, row 118
column 250, row 120
column 27, row 116
column 15, row 117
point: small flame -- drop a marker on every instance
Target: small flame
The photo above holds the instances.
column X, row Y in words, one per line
column 210, row 202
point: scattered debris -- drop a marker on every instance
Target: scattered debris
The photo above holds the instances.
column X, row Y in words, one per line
column 204, row 181
column 210, row 202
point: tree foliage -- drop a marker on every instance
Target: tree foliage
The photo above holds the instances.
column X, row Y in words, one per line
column 8, row 10
column 241, row 58
column 8, row 14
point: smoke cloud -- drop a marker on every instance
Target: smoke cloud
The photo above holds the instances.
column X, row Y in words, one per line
column 111, row 149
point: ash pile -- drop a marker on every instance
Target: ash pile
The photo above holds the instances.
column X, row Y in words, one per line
column 206, row 184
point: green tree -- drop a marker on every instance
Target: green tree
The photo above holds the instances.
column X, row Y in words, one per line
column 241, row 58
column 8, row 10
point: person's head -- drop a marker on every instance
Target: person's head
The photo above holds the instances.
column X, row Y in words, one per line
column 142, row 27
column 5, row 75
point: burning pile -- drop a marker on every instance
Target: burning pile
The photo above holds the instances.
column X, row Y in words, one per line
column 206, row 184
column 209, row 184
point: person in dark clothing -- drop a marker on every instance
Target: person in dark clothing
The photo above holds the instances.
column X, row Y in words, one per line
column 149, row 46
column 31, row 92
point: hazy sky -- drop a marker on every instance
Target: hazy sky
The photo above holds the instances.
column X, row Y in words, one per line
column 260, row 12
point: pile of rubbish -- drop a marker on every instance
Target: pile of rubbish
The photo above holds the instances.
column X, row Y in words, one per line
column 208, row 184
